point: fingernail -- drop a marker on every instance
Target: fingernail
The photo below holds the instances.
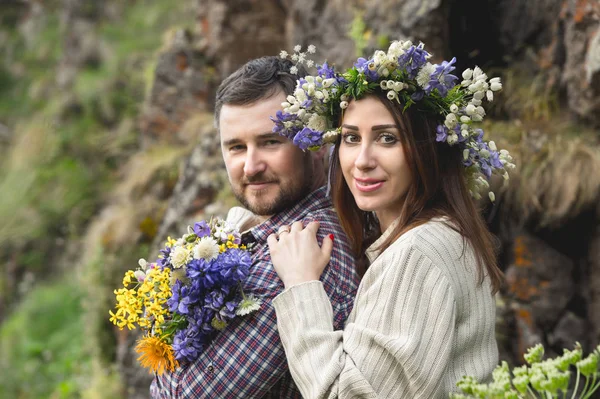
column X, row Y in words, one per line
column 331, row 237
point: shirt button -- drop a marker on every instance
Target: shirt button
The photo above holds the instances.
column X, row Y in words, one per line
column 211, row 369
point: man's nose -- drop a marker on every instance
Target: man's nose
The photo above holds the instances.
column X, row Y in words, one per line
column 254, row 163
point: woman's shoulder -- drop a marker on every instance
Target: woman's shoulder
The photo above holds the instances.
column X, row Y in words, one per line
column 437, row 239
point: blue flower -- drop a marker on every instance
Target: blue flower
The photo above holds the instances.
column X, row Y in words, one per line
column 412, row 60
column 362, row 64
column 235, row 266
column 188, row 343
column 202, row 229
column 307, row 138
column 441, row 79
column 325, row 71
column 280, row 128
column 163, row 260
column 442, row 133
column 227, row 312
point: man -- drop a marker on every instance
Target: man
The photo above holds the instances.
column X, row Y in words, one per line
column 278, row 184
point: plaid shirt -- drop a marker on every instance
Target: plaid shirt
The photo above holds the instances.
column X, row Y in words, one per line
column 247, row 359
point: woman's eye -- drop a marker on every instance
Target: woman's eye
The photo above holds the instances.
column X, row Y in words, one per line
column 387, row 138
column 350, row 138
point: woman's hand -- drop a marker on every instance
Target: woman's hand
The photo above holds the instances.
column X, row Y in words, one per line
column 296, row 254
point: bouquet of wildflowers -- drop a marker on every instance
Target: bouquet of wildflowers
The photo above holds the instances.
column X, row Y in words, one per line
column 541, row 379
column 187, row 296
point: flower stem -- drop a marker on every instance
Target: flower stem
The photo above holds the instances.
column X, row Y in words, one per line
column 576, row 384
column 593, row 387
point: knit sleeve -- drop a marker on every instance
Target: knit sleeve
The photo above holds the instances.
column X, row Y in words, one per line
column 398, row 343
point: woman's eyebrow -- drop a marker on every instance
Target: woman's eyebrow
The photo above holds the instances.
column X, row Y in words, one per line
column 351, row 127
column 382, row 127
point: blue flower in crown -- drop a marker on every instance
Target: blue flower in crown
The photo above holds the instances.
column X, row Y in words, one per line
column 406, row 75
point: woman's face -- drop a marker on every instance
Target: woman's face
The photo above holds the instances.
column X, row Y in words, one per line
column 372, row 159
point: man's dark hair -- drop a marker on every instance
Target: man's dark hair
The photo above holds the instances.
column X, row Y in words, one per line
column 257, row 79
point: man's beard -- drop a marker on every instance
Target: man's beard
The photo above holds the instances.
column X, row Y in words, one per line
column 288, row 196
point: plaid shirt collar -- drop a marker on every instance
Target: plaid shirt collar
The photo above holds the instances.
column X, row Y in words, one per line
column 315, row 201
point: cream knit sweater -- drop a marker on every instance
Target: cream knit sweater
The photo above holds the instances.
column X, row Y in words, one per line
column 420, row 322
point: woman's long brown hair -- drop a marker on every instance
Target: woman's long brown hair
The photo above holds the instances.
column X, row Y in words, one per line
column 438, row 188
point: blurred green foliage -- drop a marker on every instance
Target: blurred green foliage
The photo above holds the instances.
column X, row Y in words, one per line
column 68, row 149
column 42, row 344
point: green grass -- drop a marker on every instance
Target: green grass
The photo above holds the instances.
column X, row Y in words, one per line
column 42, row 344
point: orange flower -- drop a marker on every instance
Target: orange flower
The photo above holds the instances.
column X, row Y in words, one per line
column 156, row 355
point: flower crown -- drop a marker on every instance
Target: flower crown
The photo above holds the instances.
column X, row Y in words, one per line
column 406, row 75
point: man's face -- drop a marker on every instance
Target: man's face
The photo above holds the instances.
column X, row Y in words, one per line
column 267, row 172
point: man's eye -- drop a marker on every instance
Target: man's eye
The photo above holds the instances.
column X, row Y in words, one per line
column 236, row 148
column 350, row 138
column 272, row 142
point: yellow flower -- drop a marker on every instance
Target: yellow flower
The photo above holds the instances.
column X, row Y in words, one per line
column 170, row 242
column 156, row 355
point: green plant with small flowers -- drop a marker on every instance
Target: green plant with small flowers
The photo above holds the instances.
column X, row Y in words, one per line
column 538, row 378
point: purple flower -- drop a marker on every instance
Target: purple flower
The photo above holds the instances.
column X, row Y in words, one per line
column 215, row 299
column 202, row 229
column 442, row 133
column 280, row 128
column 325, row 71
column 163, row 260
column 362, row 64
column 235, row 266
column 307, row 138
column 227, row 312
column 188, row 343
column 412, row 60
column 203, row 273
column 441, row 79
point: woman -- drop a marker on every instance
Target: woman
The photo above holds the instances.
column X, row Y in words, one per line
column 424, row 314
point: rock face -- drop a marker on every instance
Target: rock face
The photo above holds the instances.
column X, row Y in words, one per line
column 553, row 292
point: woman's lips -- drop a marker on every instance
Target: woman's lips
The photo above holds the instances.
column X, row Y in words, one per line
column 367, row 185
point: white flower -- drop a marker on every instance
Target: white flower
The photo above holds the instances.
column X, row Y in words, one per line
column 311, row 49
column 318, row 123
column 283, row 54
column 476, row 71
column 383, row 85
column 492, row 146
column 391, row 95
column 344, row 104
column 454, row 108
column 496, row 86
column 310, row 63
column 179, row 257
column 301, row 57
column 466, row 154
column 344, row 97
column 248, row 305
column 467, row 74
column 480, row 111
column 297, row 48
column 452, row 139
column 294, row 70
column 478, row 95
column 139, row 275
column 295, row 57
column 492, row 196
column 424, row 74
column 398, row 86
column 207, row 249
column 143, row 263
column 330, row 136
column 477, row 118
column 470, row 109
column 465, row 119
column 490, row 95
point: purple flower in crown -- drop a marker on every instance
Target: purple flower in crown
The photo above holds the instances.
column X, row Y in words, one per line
column 202, row 229
column 307, row 138
column 280, row 124
column 325, row 71
column 441, row 79
column 368, row 68
column 163, row 260
column 413, row 59
column 441, row 133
